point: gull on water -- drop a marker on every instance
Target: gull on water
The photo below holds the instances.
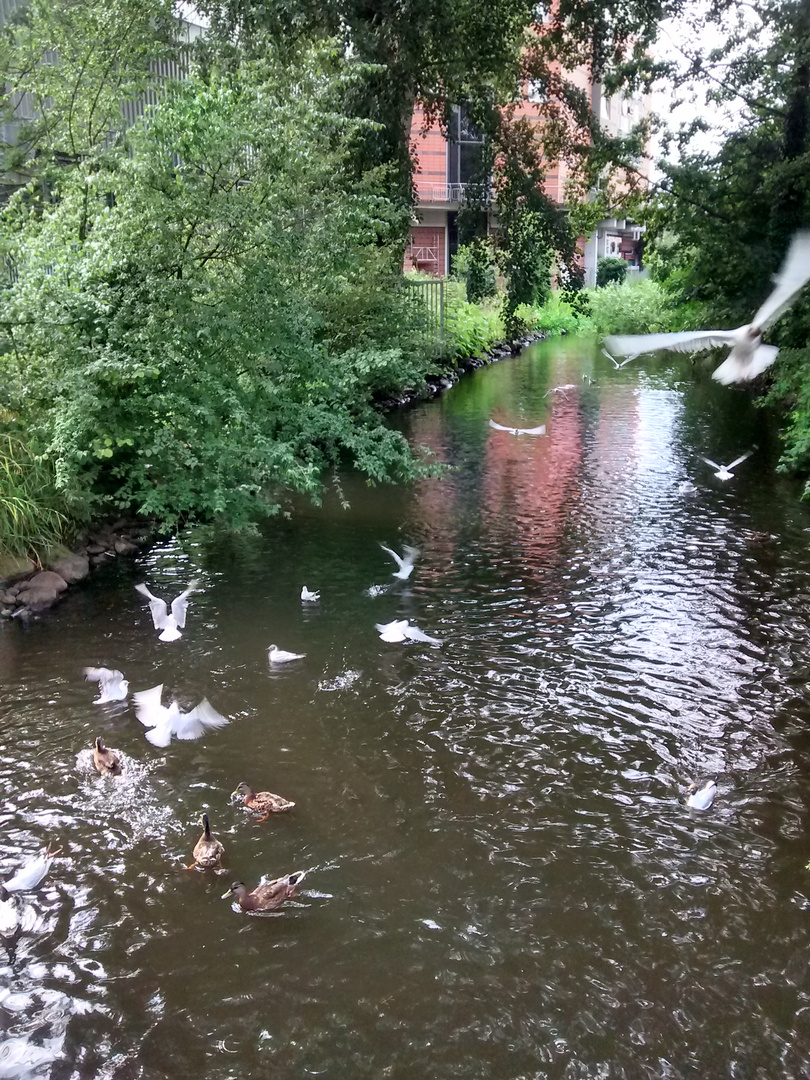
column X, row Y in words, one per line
column 166, row 722
column 401, row 630
column 541, row 430
column 111, row 683
column 405, row 563
column 171, row 623
column 307, row 596
column 280, row 656
column 31, row 873
column 748, row 357
column 701, row 798
column 724, row 471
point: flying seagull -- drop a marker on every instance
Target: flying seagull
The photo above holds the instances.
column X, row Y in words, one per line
column 561, row 389
column 701, row 798
column 164, row 722
column 281, row 656
column 615, row 362
column 170, row 623
column 541, row 430
column 724, row 471
column 748, row 357
column 401, row 630
column 307, row 596
column 405, row 563
column 111, row 684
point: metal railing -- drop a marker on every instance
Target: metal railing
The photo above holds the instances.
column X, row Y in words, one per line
column 429, row 296
column 422, row 257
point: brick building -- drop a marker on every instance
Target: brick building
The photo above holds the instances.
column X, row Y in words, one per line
column 446, row 164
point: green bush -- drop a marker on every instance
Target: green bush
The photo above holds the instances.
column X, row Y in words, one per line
column 636, row 307
column 610, row 269
column 480, row 271
column 471, row 328
column 556, row 316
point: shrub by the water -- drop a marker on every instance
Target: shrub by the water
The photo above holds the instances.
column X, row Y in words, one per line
column 610, row 269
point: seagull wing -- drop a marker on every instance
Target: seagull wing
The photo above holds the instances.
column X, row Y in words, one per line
column 415, row 634
column 790, row 280
column 110, row 682
column 410, row 556
column 541, row 430
column 148, row 708
column 158, row 607
column 180, row 604
column 393, row 631
column 739, row 460
column 682, row 341
column 30, row 876
column 612, row 359
column 161, row 733
column 713, row 464
column 499, row 427
column 393, row 555
column 193, row 724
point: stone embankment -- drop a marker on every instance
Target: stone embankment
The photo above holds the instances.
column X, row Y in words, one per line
column 437, row 384
column 28, row 589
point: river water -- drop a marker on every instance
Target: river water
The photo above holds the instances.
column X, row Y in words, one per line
column 503, row 879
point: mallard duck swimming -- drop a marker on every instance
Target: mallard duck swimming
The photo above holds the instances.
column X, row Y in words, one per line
column 269, row 897
column 262, row 802
column 208, row 851
column 105, row 760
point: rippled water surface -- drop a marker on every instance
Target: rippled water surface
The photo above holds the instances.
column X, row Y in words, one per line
column 504, row 882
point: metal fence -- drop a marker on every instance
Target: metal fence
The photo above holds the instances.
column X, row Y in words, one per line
column 429, row 297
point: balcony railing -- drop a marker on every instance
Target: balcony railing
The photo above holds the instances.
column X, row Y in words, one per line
column 424, row 258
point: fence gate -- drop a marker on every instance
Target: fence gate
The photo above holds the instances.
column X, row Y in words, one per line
column 429, row 295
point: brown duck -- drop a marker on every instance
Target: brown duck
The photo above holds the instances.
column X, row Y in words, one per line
column 262, row 802
column 105, row 760
column 208, row 851
column 269, row 897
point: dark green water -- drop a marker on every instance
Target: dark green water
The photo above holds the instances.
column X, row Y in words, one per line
column 503, row 883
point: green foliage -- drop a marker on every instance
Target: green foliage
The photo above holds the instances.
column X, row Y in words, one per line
column 215, row 332
column 610, row 269
column 555, row 316
column 29, row 518
column 475, row 263
column 790, row 392
column 471, row 328
column 636, row 307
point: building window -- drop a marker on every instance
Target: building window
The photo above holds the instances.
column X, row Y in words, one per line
column 465, row 145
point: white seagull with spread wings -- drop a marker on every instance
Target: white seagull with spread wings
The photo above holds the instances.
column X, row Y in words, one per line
column 405, row 563
column 724, row 471
column 748, row 357
column 111, row 684
column 164, row 722
column 540, row 430
column 170, row 623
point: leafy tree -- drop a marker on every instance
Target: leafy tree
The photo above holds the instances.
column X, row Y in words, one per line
column 610, row 269
column 202, row 319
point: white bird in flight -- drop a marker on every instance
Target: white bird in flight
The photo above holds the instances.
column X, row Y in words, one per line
column 111, row 683
column 724, row 471
column 541, row 430
column 171, row 623
column 615, row 362
column 561, row 389
column 280, row 656
column 308, row 596
column 167, row 722
column 405, row 563
column 701, row 798
column 401, row 630
column 748, row 357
